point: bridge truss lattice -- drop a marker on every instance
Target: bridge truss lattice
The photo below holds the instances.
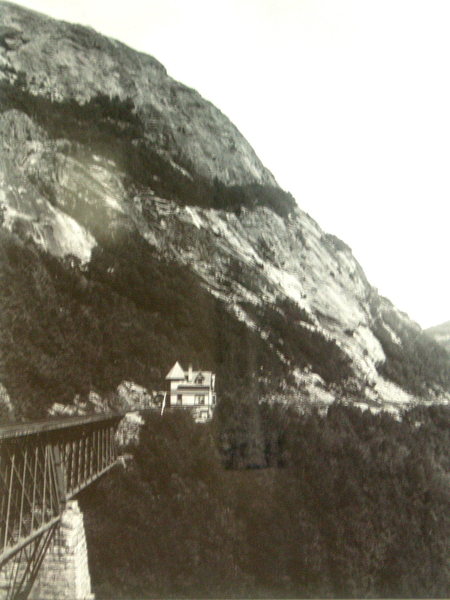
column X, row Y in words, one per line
column 42, row 465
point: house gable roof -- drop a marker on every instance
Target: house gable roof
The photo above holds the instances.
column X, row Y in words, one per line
column 207, row 377
column 176, row 372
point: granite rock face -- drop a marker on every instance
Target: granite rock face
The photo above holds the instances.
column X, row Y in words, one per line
column 98, row 145
column 63, row 61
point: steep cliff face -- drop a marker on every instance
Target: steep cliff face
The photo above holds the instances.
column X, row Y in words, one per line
column 64, row 61
column 139, row 227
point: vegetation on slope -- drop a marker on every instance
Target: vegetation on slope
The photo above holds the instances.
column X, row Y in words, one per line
column 289, row 333
column 416, row 362
column 110, row 127
column 67, row 330
column 72, row 341
column 355, row 505
column 441, row 334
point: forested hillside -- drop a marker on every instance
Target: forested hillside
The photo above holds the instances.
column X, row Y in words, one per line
column 353, row 505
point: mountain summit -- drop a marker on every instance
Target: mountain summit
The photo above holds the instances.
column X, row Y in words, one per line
column 138, row 227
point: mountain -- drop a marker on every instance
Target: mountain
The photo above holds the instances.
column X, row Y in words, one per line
column 138, row 227
column 441, row 333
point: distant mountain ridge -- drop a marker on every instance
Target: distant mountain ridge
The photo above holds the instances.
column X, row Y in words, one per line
column 441, row 333
column 138, row 227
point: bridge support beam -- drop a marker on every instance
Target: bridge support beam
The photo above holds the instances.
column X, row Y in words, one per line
column 64, row 574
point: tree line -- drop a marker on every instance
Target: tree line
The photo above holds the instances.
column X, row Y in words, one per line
column 349, row 504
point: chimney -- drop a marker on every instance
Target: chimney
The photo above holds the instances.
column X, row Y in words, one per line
column 190, row 373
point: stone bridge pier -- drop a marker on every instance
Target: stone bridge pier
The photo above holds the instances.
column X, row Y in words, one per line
column 64, row 574
column 43, row 466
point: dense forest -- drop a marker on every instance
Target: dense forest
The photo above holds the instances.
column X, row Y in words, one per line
column 350, row 504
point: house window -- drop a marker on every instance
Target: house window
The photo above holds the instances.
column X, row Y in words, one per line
column 179, row 398
column 200, row 399
column 199, row 379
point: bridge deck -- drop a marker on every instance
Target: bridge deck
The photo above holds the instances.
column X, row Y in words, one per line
column 28, row 428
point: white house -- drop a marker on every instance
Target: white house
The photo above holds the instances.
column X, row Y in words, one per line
column 192, row 390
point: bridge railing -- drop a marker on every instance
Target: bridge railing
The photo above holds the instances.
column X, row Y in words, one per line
column 87, row 453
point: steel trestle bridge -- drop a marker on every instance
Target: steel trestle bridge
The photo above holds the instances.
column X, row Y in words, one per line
column 42, row 466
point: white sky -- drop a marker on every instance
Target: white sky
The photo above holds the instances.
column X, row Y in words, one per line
column 347, row 102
